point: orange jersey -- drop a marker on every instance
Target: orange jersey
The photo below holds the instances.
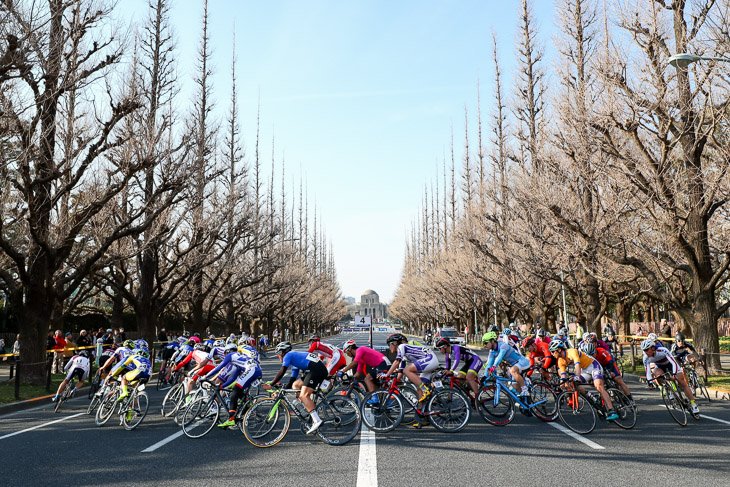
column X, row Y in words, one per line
column 574, row 357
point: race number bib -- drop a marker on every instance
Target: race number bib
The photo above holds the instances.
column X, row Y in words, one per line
column 313, row 357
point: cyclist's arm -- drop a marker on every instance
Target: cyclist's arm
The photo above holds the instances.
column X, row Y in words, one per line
column 219, row 367
column 281, row 373
column 500, row 355
column 457, row 358
column 647, row 367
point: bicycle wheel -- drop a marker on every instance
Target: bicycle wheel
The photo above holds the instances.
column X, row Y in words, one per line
column 498, row 411
column 342, row 391
column 171, row 400
column 65, row 394
column 200, row 416
column 703, row 388
column 382, row 411
column 106, row 408
column 341, row 420
column 266, row 423
column 674, row 405
column 545, row 402
column 448, row 410
column 94, row 386
column 161, row 382
column 409, row 398
column 576, row 412
column 136, row 411
column 95, row 401
column 624, row 408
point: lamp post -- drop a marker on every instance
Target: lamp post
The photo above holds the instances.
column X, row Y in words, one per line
column 565, row 310
column 684, row 59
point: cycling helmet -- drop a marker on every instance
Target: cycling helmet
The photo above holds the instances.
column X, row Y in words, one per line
column 196, row 334
column 248, row 351
column 556, row 345
column 220, row 343
column 443, row 342
column 588, row 348
column 84, row 353
column 679, row 337
column 199, row 346
column 143, row 352
column 242, row 341
column 540, row 332
column 283, row 348
column 396, row 338
column 590, row 338
column 141, row 343
column 512, row 325
column 349, row 344
column 610, row 333
column 186, row 334
column 652, row 337
column 312, row 338
column 527, row 342
column 181, row 339
column 194, row 339
column 506, row 331
column 128, row 344
column 231, row 347
column 490, row 335
column 647, row 344
column 211, row 336
column 560, row 333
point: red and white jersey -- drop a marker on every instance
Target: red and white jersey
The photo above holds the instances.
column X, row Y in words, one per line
column 199, row 355
column 324, row 349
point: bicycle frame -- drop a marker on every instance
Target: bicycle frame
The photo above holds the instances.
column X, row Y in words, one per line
column 500, row 381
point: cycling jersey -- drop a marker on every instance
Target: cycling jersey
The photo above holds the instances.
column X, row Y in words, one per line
column 367, row 357
column 80, row 363
column 299, row 360
column 172, row 346
column 472, row 362
column 605, row 358
column 542, row 351
column 682, row 352
column 217, row 353
column 121, row 354
column 233, row 365
column 506, row 353
column 663, row 359
column 336, row 359
column 589, row 366
column 138, row 368
column 182, row 352
column 421, row 357
column 196, row 355
column 510, row 340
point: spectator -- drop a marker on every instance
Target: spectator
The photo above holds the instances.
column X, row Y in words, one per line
column 83, row 340
column 666, row 328
column 60, row 344
column 50, row 343
column 16, row 347
column 99, row 335
column 608, row 330
column 2, row 348
column 69, row 345
column 579, row 332
column 122, row 334
column 162, row 336
column 118, row 340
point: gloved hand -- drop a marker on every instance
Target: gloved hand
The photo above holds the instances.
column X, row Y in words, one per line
column 491, row 370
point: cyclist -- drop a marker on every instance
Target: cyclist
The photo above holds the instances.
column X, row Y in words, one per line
column 682, row 349
column 236, row 368
column 611, row 340
column 137, row 367
column 541, row 337
column 168, row 351
column 314, row 373
column 662, row 358
column 510, row 339
column 336, row 360
column 539, row 352
column 591, row 337
column 200, row 357
column 369, row 363
column 653, row 337
column 515, row 331
column 586, row 368
column 78, row 366
column 500, row 351
column 120, row 354
column 606, row 360
column 421, row 363
column 472, row 362
column 562, row 335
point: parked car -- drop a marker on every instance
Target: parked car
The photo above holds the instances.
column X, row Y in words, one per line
column 452, row 334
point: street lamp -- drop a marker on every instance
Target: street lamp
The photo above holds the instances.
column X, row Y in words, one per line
column 684, row 59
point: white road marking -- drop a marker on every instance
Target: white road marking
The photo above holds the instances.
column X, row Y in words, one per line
column 367, row 468
column 578, row 437
column 714, row 419
column 163, row 442
column 40, row 426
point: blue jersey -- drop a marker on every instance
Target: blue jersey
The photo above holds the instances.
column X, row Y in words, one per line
column 172, row 346
column 299, row 361
column 121, row 354
column 236, row 360
column 217, row 353
column 504, row 353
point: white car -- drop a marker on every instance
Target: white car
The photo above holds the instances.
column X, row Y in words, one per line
column 452, row 334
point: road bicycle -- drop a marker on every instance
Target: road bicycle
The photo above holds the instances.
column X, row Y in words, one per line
column 579, row 409
column 353, row 388
column 383, row 410
column 497, row 402
column 674, row 399
column 66, row 393
column 131, row 410
column 696, row 381
column 204, row 410
column 267, row 421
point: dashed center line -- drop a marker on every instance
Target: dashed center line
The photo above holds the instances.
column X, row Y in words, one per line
column 576, row 436
column 367, row 468
column 40, row 426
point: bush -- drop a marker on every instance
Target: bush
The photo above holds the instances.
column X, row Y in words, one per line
column 725, row 347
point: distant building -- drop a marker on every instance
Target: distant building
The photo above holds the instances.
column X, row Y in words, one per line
column 350, row 300
column 369, row 305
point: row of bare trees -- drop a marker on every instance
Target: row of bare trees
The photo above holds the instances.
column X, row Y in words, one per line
column 111, row 187
column 605, row 173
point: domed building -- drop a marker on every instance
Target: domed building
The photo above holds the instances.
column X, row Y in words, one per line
column 370, row 305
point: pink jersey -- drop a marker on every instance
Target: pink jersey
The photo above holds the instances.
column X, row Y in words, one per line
column 365, row 356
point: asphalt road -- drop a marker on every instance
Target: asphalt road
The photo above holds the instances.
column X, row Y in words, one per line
column 42, row 448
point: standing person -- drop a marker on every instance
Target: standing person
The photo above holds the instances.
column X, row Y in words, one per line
column 117, row 338
column 276, row 336
column 123, row 335
column 579, row 333
column 50, row 344
column 162, row 337
column 2, row 348
column 16, row 347
column 60, row 344
column 83, row 340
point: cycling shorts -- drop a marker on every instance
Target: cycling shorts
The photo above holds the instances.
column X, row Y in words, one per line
column 80, row 373
column 336, row 363
column 522, row 364
column 315, row 374
column 670, row 366
column 248, row 377
column 592, row 372
column 426, row 366
column 381, row 367
column 168, row 353
column 137, row 375
column 612, row 368
column 203, row 372
column 473, row 365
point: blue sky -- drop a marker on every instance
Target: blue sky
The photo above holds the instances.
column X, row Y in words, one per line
column 360, row 96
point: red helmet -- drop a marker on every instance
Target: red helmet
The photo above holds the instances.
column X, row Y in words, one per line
column 527, row 342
